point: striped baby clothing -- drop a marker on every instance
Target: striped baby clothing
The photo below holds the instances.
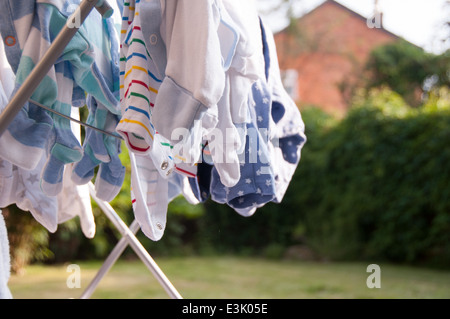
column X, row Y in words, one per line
column 140, row 80
column 168, row 84
column 169, row 88
column 150, row 154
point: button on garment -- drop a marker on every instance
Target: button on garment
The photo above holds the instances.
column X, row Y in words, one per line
column 153, row 39
column 10, row 41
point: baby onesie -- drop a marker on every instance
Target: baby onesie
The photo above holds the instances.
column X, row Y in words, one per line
column 21, row 187
column 86, row 65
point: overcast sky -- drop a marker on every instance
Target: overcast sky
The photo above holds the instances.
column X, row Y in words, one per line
column 417, row 21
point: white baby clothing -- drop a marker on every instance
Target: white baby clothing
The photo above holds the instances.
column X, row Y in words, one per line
column 5, row 260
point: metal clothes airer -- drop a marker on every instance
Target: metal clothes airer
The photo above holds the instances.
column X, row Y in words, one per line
column 23, row 95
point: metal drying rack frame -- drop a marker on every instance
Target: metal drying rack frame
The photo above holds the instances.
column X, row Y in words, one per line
column 24, row 93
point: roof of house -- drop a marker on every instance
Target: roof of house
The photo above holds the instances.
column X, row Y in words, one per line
column 364, row 19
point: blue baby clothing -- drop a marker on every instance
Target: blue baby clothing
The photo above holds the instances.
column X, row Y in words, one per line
column 88, row 64
column 272, row 152
column 21, row 187
column 102, row 151
column 256, row 185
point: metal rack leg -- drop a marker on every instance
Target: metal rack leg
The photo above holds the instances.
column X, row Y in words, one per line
column 109, row 262
column 136, row 245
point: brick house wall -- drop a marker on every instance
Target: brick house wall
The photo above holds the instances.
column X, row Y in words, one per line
column 328, row 48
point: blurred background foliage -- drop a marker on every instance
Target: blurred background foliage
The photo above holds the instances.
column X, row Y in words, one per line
column 373, row 185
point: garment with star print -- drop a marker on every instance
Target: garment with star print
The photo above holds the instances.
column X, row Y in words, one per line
column 256, row 185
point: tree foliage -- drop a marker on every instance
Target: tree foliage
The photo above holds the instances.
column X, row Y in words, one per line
column 408, row 70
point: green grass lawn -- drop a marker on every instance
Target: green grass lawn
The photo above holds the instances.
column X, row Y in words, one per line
column 234, row 278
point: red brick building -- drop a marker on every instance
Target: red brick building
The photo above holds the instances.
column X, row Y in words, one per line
column 328, row 49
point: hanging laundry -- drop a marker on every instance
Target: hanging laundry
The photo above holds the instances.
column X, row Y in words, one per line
column 275, row 137
column 247, row 65
column 88, row 64
column 17, row 185
column 256, row 185
column 204, row 116
column 193, row 75
column 244, row 69
column 140, row 79
column 21, row 186
column 100, row 151
column 139, row 83
column 168, row 86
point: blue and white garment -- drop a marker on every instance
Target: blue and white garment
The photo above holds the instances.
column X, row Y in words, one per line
column 17, row 185
column 88, row 64
column 256, row 185
column 21, row 187
column 276, row 146
column 100, row 151
column 243, row 69
column 287, row 128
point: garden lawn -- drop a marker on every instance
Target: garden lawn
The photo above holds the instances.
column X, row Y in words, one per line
column 226, row 277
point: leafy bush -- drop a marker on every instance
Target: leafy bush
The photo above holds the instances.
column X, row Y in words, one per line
column 380, row 183
column 27, row 238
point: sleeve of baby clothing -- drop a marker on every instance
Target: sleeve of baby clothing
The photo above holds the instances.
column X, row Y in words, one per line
column 194, row 76
column 140, row 79
column 245, row 68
